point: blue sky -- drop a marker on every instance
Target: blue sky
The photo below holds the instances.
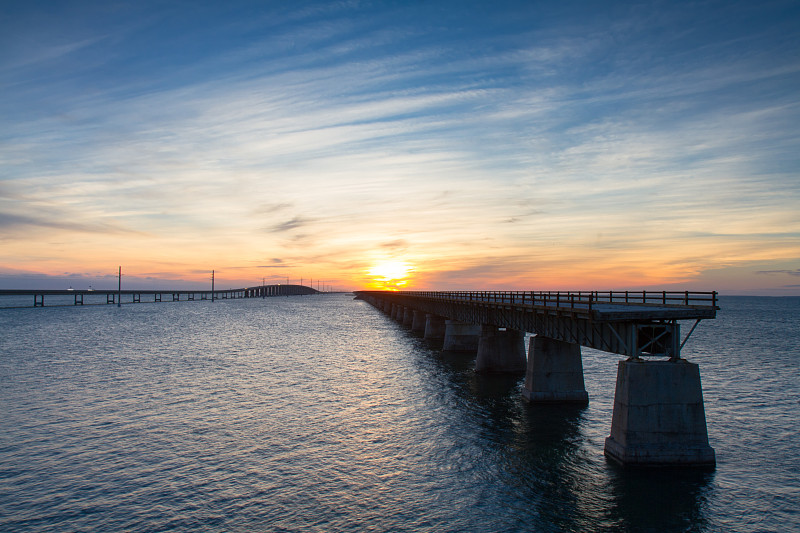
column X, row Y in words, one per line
column 519, row 145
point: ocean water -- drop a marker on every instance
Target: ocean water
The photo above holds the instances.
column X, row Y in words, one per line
column 320, row 413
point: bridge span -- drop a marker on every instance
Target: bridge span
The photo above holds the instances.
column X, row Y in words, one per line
column 62, row 297
column 658, row 417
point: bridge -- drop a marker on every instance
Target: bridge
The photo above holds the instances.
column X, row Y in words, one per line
column 658, row 417
column 62, row 297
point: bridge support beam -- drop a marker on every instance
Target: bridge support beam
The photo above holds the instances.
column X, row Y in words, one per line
column 434, row 327
column 659, row 418
column 460, row 336
column 554, row 373
column 500, row 350
column 418, row 323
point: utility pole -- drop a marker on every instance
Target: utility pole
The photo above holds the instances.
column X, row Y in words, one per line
column 212, row 286
column 119, row 287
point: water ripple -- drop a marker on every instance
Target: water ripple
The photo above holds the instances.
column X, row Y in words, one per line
column 297, row 414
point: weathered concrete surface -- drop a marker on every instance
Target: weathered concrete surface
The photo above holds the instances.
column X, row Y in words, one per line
column 659, row 418
column 460, row 336
column 500, row 350
column 554, row 373
column 434, row 326
column 418, row 322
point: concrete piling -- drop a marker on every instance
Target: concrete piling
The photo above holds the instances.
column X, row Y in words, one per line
column 408, row 316
column 658, row 417
column 554, row 373
column 418, row 322
column 500, row 350
column 460, row 336
column 434, row 327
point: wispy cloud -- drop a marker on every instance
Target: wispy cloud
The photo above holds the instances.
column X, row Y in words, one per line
column 787, row 272
column 288, row 225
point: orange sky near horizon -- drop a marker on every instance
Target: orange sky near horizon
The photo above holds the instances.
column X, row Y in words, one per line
column 733, row 271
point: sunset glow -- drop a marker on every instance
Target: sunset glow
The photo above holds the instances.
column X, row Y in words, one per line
column 390, row 275
column 523, row 145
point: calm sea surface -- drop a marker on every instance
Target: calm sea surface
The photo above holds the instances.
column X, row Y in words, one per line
column 319, row 413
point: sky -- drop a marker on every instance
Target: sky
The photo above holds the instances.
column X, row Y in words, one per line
column 500, row 145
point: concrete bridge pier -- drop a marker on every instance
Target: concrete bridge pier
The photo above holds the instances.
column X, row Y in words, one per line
column 500, row 350
column 418, row 322
column 397, row 312
column 659, row 418
column 460, row 336
column 408, row 316
column 554, row 373
column 434, row 327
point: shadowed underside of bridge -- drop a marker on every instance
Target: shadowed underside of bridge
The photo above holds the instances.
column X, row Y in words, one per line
column 659, row 417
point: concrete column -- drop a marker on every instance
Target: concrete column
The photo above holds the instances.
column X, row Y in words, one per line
column 434, row 327
column 460, row 337
column 397, row 310
column 659, row 418
column 418, row 324
column 555, row 372
column 408, row 317
column 387, row 307
column 500, row 350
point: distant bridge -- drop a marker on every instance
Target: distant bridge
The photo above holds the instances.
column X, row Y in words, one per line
column 659, row 417
column 63, row 297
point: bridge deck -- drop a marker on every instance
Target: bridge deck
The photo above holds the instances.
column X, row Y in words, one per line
column 595, row 305
column 95, row 296
column 629, row 323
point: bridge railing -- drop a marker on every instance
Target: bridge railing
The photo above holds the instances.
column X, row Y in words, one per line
column 579, row 300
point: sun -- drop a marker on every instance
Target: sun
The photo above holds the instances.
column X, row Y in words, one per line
column 390, row 275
